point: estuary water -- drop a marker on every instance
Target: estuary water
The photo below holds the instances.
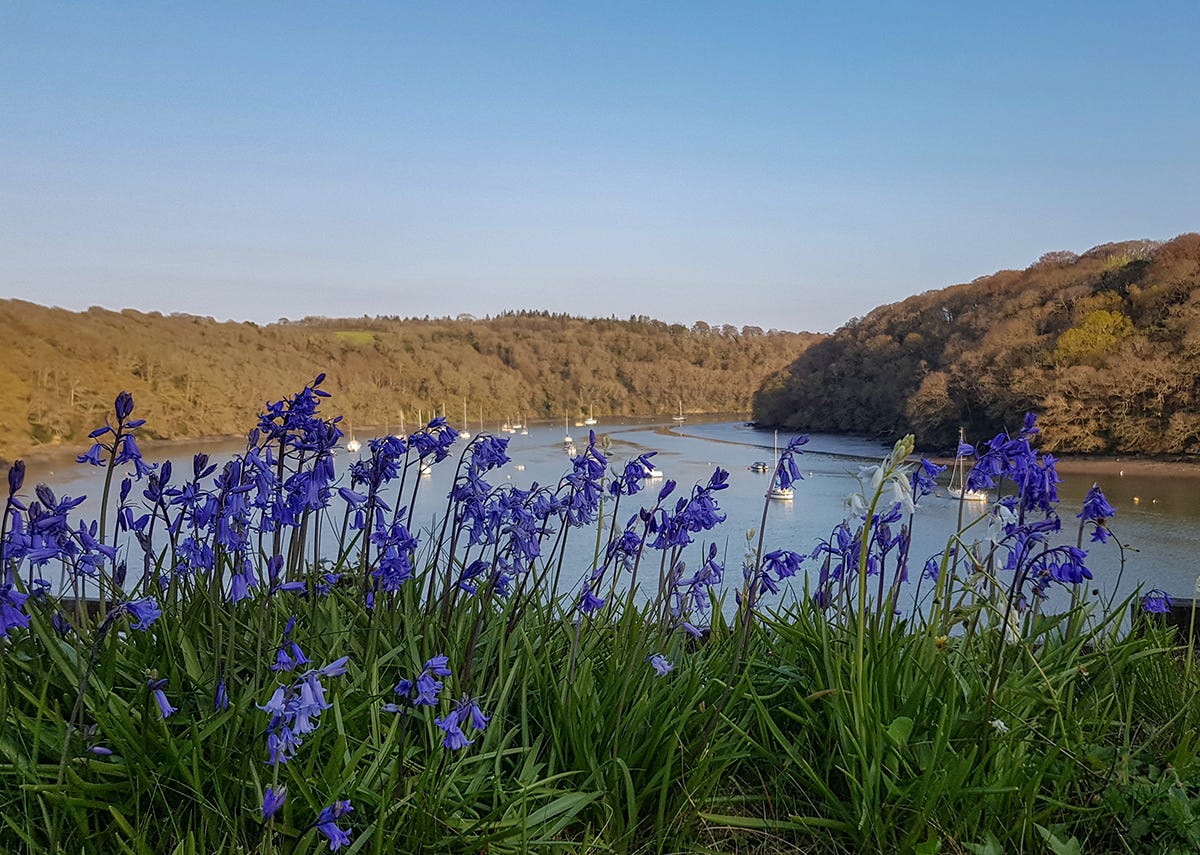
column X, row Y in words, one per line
column 1158, row 508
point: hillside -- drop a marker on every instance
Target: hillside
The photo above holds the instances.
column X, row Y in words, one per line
column 1104, row 345
column 193, row 376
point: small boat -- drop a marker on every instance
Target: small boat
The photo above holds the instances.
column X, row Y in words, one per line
column 567, row 431
column 353, row 445
column 463, row 433
column 681, row 417
column 958, row 479
column 591, row 419
column 521, row 428
column 760, row 466
column 778, row 491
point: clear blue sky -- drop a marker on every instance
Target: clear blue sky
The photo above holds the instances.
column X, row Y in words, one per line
column 788, row 165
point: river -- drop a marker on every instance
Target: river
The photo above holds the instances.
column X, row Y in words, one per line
column 1157, row 507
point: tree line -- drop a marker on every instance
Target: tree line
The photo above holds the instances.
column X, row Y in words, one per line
column 1105, row 345
column 196, row 377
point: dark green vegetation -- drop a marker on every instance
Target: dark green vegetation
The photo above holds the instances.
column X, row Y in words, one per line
column 763, row 751
column 196, row 377
column 1105, row 346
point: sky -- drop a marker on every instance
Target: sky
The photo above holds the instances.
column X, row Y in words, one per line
column 787, row 165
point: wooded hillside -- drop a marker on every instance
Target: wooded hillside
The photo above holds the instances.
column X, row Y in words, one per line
column 1104, row 345
column 193, row 376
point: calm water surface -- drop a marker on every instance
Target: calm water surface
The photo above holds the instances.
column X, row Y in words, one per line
column 1160, row 527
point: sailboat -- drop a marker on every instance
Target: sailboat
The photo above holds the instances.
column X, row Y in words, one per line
column 958, row 478
column 523, row 427
column 567, row 432
column 681, row 417
column 778, row 491
column 591, row 419
column 353, row 445
column 463, row 433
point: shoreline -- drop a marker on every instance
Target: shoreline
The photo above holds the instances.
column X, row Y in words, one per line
column 1099, row 465
column 1113, row 466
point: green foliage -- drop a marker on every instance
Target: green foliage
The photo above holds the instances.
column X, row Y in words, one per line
column 1096, row 336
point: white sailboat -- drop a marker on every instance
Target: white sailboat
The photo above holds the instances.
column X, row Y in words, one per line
column 591, row 419
column 463, row 433
column 958, row 478
column 681, row 417
column 567, row 432
column 778, row 491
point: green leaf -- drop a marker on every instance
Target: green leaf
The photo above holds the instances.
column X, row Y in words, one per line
column 899, row 731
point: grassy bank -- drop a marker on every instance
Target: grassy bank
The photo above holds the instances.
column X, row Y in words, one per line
column 279, row 663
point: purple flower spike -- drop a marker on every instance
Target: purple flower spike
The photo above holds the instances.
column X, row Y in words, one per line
column 1095, row 507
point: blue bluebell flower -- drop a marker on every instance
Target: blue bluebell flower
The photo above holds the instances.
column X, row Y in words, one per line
column 288, row 655
column 144, row 611
column 327, row 824
column 160, row 697
column 465, row 712
column 12, row 605
column 272, row 801
column 589, row 602
column 1157, row 602
column 16, row 477
column 661, row 665
column 295, row 708
column 924, row 478
column 1096, row 508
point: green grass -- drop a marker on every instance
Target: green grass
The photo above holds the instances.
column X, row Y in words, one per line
column 772, row 752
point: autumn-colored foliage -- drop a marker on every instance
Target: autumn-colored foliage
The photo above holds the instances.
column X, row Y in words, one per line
column 1105, row 345
column 194, row 377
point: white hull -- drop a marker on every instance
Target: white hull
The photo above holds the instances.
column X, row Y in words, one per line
column 968, row 495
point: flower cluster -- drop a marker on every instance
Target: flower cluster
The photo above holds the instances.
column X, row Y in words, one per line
column 295, row 708
column 423, row 691
column 466, row 711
